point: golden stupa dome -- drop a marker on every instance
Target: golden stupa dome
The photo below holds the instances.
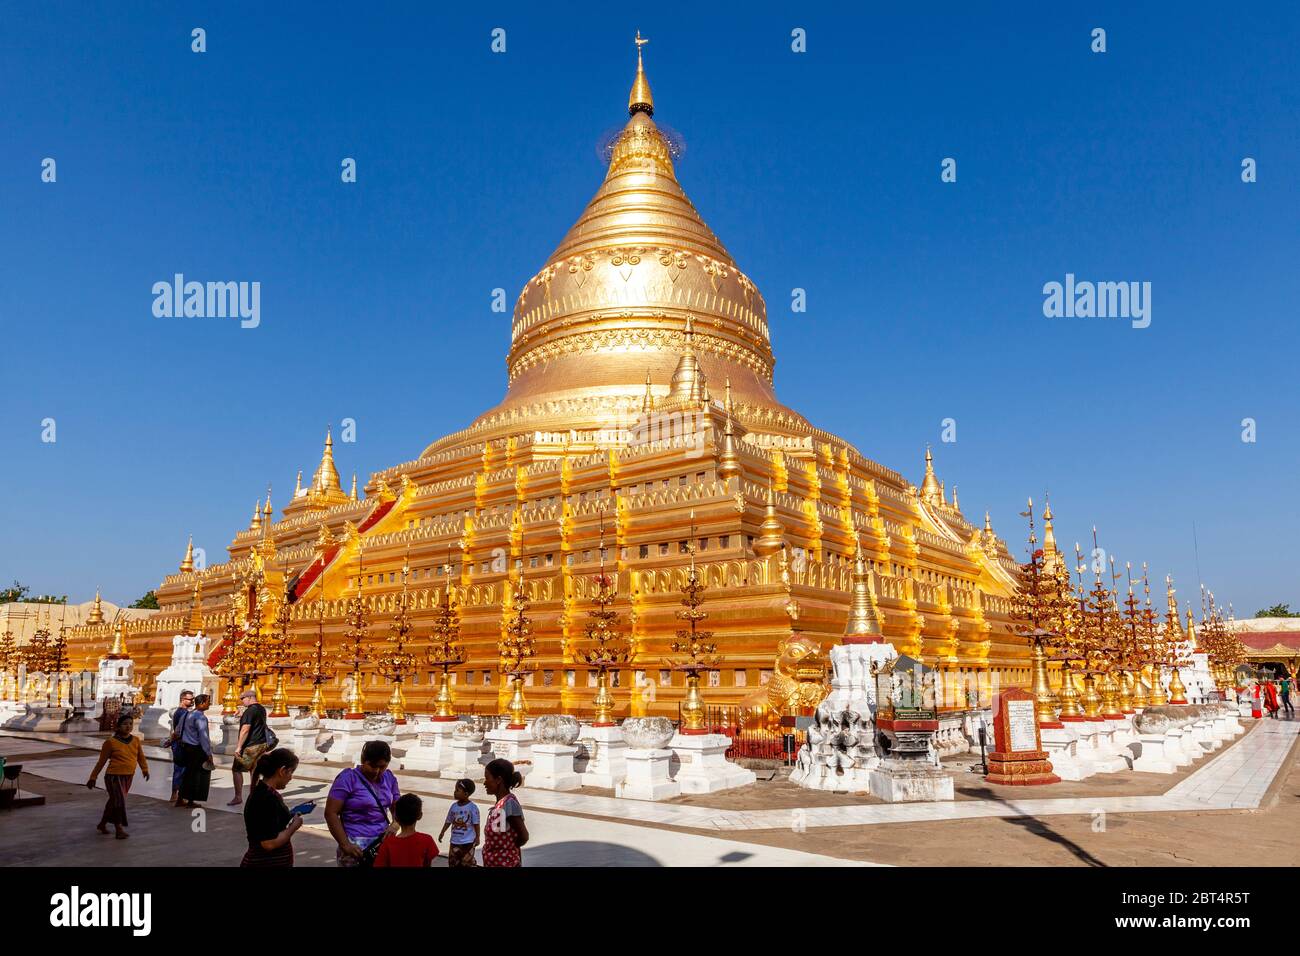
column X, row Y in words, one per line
column 611, row 304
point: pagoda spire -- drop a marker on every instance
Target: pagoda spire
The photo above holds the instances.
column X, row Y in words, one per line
column 256, row 524
column 118, row 651
column 772, row 539
column 352, row 496
column 688, row 383
column 297, row 484
column 187, row 562
column 196, row 609
column 327, row 476
column 648, row 401
column 863, row 626
column 931, row 492
column 729, row 461
column 640, row 100
column 96, row 615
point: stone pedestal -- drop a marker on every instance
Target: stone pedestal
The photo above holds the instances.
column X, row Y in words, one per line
column 553, row 768
column 513, row 745
column 432, row 749
column 905, row 781
column 1061, row 745
column 347, row 737
column 606, row 757
column 46, row 718
column 841, row 749
column 302, row 736
column 468, row 758
column 1175, row 752
column 1150, row 756
column 648, row 776
column 702, row 766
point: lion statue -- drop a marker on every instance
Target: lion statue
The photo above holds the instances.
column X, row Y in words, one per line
column 798, row 681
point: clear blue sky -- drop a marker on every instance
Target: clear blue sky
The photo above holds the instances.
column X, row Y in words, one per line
column 817, row 170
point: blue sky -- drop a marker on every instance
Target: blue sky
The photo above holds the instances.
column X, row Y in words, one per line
column 818, row 170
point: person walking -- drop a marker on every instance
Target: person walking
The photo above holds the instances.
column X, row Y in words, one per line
column 1270, row 699
column 123, row 753
column 408, row 847
column 196, row 744
column 505, row 833
column 463, row 819
column 1286, row 697
column 174, row 742
column 267, row 821
column 252, row 741
column 357, row 809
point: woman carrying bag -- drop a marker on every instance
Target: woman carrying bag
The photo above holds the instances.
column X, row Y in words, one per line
column 357, row 811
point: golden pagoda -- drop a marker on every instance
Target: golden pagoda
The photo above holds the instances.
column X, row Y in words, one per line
column 615, row 348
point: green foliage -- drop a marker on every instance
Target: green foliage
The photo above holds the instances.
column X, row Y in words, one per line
column 148, row 602
column 20, row 594
column 1277, row 610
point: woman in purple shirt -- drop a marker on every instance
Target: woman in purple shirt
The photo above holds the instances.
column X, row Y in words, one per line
column 358, row 810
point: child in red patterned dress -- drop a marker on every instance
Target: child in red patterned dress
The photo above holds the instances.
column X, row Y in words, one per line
column 505, row 832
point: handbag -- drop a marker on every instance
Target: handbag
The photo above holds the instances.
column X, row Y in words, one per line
column 272, row 741
column 371, row 850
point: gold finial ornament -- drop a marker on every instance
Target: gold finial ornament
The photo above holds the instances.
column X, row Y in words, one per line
column 863, row 626
column 326, row 478
column 640, row 100
column 196, row 609
column 96, row 616
column 729, row 464
column 352, row 495
column 931, row 492
column 187, row 562
column 256, row 523
column 772, row 538
column 118, row 652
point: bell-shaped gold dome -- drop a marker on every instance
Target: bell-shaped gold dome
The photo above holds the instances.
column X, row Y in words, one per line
column 612, row 302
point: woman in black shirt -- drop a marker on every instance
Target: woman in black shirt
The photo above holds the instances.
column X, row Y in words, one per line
column 269, row 824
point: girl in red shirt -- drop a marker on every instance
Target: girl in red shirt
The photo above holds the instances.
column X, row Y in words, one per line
column 407, row 847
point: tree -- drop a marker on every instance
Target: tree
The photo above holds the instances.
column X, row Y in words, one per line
column 149, row 601
column 20, row 594
column 1277, row 610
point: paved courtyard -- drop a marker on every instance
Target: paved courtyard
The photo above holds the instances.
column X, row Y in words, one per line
column 1239, row 806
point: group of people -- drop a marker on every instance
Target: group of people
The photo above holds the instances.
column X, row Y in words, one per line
column 1277, row 697
column 372, row 822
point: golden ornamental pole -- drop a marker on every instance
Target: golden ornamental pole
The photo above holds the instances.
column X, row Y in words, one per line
column 696, row 646
column 610, row 650
column 444, row 653
column 516, row 650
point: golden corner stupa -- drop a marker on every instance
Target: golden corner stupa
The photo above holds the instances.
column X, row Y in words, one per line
column 640, row 411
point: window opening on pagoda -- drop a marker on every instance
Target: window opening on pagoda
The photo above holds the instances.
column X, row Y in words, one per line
column 644, row 551
column 724, row 541
column 704, row 544
column 663, row 549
